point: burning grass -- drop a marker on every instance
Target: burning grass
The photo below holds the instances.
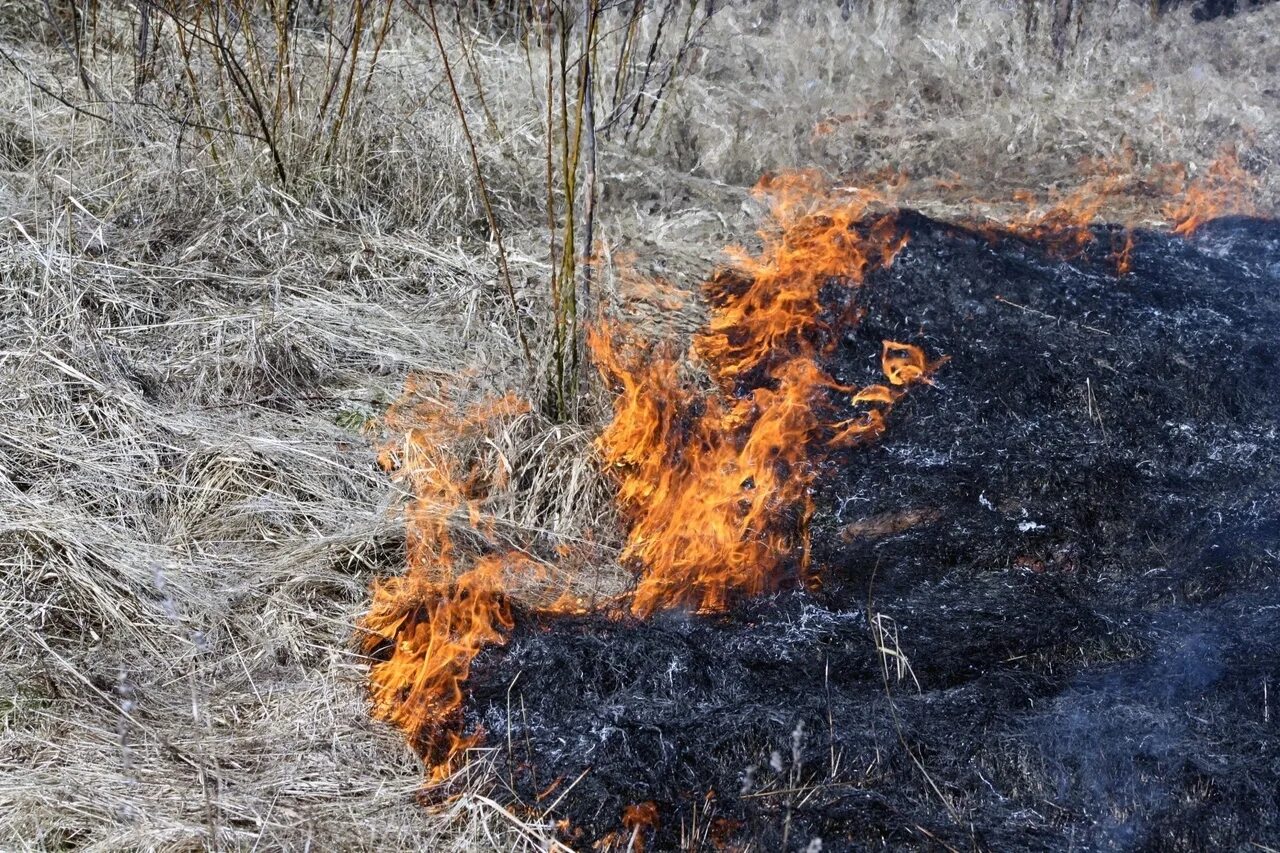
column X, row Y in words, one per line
column 1042, row 616
column 1123, row 191
column 712, row 486
column 715, row 476
column 436, row 617
column 191, row 512
column 713, row 483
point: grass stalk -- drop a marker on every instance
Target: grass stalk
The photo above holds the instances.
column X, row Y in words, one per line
column 494, row 228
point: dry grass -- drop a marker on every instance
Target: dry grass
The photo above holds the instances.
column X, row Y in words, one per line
column 190, row 513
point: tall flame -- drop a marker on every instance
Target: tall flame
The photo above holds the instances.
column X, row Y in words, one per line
column 714, row 484
column 425, row 627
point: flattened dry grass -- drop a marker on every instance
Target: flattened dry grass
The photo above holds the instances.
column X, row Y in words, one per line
column 190, row 510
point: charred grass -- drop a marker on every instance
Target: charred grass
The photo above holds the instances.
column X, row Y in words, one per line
column 192, row 348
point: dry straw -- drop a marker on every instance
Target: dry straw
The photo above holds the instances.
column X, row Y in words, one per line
column 228, row 236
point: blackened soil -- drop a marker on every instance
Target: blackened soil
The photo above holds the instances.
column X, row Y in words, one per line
column 1074, row 644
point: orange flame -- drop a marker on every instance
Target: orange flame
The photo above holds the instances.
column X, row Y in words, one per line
column 424, row 628
column 713, row 478
column 640, row 819
column 714, row 484
column 712, row 481
column 1124, row 258
column 1122, row 190
column 1062, row 224
column 434, row 630
column 1224, row 188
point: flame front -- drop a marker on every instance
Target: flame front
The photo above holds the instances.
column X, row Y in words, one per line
column 1116, row 189
column 714, row 471
column 1224, row 188
column 713, row 477
column 425, row 627
column 714, row 483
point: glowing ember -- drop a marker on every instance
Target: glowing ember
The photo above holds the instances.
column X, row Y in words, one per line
column 1124, row 258
column 639, row 819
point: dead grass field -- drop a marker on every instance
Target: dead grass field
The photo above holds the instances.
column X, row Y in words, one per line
column 190, row 510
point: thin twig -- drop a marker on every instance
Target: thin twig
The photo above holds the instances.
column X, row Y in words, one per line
column 893, row 712
column 1039, row 313
column 589, row 43
column 31, row 81
column 484, row 188
column 90, row 87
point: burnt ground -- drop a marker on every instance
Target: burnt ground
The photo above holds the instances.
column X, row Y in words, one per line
column 1086, row 588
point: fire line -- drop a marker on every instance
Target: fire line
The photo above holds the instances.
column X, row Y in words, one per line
column 713, row 476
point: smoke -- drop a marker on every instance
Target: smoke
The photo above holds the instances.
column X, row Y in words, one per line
column 1131, row 743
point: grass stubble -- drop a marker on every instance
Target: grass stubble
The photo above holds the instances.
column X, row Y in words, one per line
column 194, row 352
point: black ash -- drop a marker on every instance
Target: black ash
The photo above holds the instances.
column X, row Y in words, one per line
column 1050, row 612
